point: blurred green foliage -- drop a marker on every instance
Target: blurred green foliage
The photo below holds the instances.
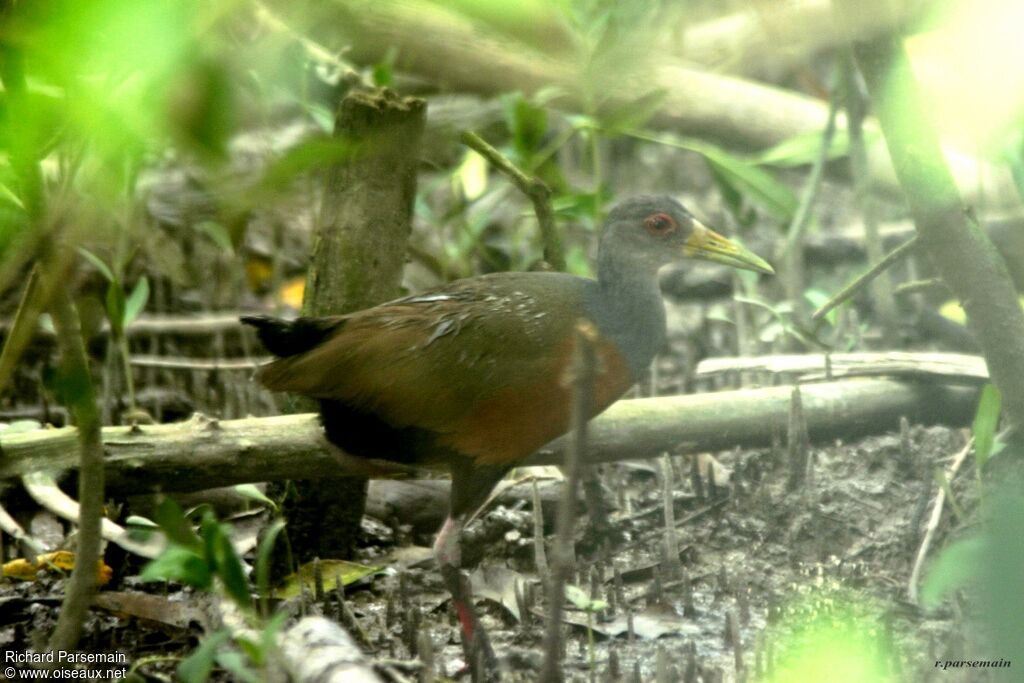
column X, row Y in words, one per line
column 830, row 634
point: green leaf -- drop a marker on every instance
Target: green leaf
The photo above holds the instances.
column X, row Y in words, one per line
column 232, row 573
column 179, row 564
column 986, row 421
column 70, row 387
column 115, row 308
column 757, row 184
column 136, row 302
column 176, row 526
column 264, row 556
column 744, row 214
column 582, row 599
column 251, row 492
column 7, row 195
column 957, row 564
column 235, row 663
column 804, row 148
column 528, row 124
column 633, row 113
column 817, row 299
column 383, row 76
column 198, row 666
column 97, row 263
column 218, row 234
column 224, row 560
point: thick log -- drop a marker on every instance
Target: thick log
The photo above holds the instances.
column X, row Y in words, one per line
column 201, row 453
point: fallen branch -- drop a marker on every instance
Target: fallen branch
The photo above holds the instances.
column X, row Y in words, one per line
column 201, row 453
column 943, row 367
column 44, row 490
column 933, row 523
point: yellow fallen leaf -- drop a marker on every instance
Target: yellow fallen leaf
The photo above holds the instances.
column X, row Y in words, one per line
column 350, row 572
column 63, row 560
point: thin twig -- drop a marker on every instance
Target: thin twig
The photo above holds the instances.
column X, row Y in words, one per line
column 933, row 523
column 915, row 286
column 149, row 361
column 793, row 252
column 860, row 171
column 582, row 379
column 861, row 281
column 539, row 554
column 534, row 188
column 183, row 325
column 29, row 308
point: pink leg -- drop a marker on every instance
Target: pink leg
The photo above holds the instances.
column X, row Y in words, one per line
column 476, row 645
column 446, row 548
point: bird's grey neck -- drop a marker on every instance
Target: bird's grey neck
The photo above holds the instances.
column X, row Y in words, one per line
column 632, row 313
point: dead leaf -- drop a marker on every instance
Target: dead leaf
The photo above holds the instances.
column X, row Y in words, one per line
column 60, row 560
column 350, row 572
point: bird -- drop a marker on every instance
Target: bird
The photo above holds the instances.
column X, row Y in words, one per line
column 471, row 375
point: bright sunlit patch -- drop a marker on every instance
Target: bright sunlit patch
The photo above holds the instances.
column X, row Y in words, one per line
column 972, row 70
column 830, row 634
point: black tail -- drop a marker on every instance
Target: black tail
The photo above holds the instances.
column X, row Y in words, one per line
column 291, row 337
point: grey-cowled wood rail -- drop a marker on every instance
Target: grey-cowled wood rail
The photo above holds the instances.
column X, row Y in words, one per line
column 471, row 375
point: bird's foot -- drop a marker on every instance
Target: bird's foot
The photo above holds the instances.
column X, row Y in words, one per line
column 481, row 662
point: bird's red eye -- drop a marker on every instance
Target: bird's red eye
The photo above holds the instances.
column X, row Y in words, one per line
column 659, row 224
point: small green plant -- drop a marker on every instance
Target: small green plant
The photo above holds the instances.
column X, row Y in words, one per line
column 121, row 308
column 986, row 422
column 207, row 561
column 583, row 601
column 990, row 562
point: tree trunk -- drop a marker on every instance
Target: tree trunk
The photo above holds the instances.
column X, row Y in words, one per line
column 358, row 255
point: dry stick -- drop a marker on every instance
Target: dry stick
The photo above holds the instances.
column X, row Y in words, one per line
column 669, row 513
column 797, row 458
column 582, row 379
column 933, row 523
column 915, row 286
column 861, row 281
column 150, row 361
column 540, row 558
column 31, row 305
column 793, row 252
column 534, row 188
column 860, row 170
column 82, row 584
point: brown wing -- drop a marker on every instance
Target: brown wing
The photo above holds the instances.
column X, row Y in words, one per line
column 480, row 363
